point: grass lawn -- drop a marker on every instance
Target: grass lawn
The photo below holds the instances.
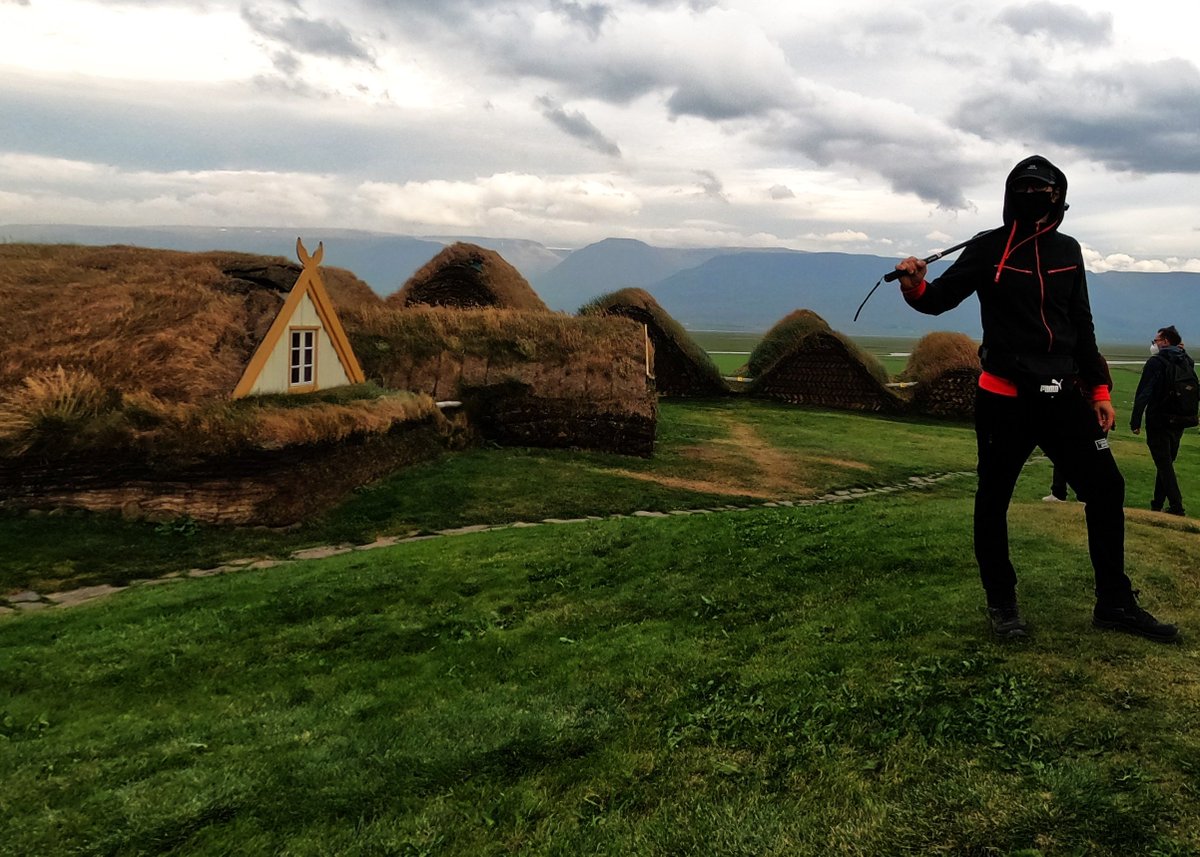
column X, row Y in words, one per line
column 806, row 681
column 708, row 453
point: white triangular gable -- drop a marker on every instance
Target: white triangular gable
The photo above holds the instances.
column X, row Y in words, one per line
column 307, row 314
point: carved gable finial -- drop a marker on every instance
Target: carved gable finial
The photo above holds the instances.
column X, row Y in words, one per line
column 305, row 259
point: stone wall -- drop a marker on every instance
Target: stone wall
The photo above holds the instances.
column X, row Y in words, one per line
column 265, row 487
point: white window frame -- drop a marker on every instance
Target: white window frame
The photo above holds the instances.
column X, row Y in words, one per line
column 302, row 357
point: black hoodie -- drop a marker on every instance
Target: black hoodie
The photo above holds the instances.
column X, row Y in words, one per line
column 1033, row 300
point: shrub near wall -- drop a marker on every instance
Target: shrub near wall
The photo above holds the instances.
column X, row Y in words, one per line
column 529, row 378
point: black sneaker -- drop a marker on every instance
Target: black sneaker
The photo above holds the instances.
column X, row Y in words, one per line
column 1134, row 620
column 1007, row 623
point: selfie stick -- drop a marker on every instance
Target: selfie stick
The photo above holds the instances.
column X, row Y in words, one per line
column 891, row 276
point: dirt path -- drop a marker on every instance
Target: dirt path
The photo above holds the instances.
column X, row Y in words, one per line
column 743, row 464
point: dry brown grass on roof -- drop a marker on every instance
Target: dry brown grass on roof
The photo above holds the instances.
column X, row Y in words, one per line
column 945, row 366
column 59, row 413
column 178, row 326
column 939, row 352
column 681, row 366
column 500, row 334
column 467, row 275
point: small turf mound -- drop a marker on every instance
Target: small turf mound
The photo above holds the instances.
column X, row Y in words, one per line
column 465, row 276
column 945, row 367
column 681, row 367
column 803, row 361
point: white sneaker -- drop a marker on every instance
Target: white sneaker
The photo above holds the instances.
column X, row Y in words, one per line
column 1050, row 498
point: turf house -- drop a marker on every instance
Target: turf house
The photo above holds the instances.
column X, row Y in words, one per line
column 803, row 361
column 216, row 385
column 680, row 367
column 466, row 275
column 525, row 377
column 945, row 367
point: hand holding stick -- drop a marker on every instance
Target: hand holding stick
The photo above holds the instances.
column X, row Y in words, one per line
column 891, row 276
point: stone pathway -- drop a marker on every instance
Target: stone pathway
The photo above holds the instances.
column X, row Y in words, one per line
column 30, row 601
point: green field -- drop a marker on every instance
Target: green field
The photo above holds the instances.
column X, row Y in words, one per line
column 770, row 681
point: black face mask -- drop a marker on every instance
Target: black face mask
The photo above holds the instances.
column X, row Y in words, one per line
column 1030, row 207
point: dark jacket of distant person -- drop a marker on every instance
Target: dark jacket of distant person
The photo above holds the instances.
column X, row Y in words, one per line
column 1152, row 388
column 1033, row 298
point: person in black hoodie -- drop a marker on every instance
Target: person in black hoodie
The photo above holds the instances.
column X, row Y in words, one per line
column 1162, row 432
column 1044, row 383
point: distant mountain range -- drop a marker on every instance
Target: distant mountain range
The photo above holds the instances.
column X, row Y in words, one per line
column 725, row 288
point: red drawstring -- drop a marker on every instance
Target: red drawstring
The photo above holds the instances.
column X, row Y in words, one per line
column 1010, row 248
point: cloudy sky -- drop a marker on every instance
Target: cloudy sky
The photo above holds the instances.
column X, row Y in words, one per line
column 859, row 125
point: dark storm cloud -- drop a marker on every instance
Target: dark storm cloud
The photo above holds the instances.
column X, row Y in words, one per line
column 591, row 16
column 309, row 36
column 578, row 126
column 723, row 99
column 925, row 160
column 1059, row 22
column 1140, row 118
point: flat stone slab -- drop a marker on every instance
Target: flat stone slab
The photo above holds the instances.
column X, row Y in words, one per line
column 463, row 531
column 322, row 552
column 30, row 606
column 5, row 610
column 211, row 572
column 26, row 597
column 386, row 542
column 650, row 514
column 86, row 593
column 268, row 563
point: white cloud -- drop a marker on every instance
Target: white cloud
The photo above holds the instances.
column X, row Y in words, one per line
column 699, row 123
column 508, row 198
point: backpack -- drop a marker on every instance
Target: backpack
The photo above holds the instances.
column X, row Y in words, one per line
column 1181, row 398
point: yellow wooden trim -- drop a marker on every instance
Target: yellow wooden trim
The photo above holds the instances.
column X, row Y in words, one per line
column 309, row 282
column 333, row 326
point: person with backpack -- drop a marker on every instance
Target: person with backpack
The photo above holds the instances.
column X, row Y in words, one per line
column 1169, row 395
column 1044, row 383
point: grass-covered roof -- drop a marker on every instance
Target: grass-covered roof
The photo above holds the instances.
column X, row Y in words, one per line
column 681, row 366
column 178, row 326
column 939, row 352
column 467, row 275
column 796, row 330
column 802, row 360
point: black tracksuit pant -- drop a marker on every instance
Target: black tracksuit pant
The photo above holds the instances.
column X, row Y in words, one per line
column 1064, row 425
column 1163, row 443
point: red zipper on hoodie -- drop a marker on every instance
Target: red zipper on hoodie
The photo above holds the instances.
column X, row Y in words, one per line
column 1009, row 249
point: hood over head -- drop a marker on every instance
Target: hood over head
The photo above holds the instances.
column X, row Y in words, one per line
column 1037, row 169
